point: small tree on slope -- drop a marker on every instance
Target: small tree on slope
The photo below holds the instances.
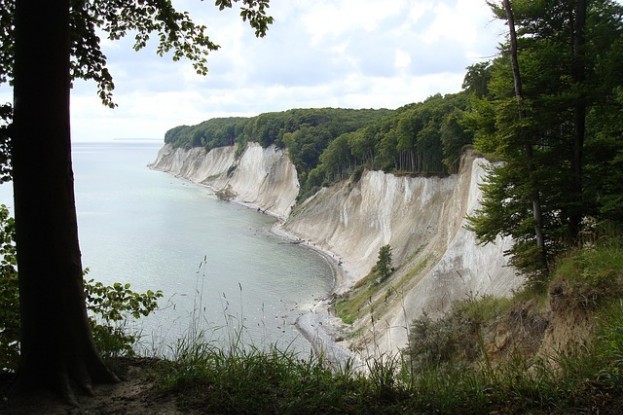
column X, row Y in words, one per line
column 384, row 263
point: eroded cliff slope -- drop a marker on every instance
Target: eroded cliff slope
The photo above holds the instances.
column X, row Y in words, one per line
column 437, row 260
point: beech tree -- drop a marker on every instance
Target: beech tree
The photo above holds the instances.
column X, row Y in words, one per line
column 46, row 44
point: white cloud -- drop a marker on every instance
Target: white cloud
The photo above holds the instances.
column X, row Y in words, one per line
column 330, row 19
column 340, row 53
column 402, row 59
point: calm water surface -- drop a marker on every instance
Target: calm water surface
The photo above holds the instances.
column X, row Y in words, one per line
column 218, row 264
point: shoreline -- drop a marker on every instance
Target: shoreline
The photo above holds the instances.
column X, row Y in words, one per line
column 318, row 325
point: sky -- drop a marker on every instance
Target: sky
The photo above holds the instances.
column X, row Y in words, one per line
column 317, row 53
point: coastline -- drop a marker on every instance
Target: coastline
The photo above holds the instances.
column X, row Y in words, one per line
column 422, row 217
column 318, row 325
column 321, row 328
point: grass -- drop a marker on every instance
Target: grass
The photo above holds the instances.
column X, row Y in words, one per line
column 363, row 299
column 594, row 275
column 348, row 308
column 256, row 381
column 206, row 380
column 485, row 308
column 412, row 272
column 451, row 369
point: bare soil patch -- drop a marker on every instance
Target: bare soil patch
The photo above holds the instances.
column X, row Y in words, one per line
column 135, row 394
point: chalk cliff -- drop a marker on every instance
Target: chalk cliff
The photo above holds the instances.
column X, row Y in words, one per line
column 437, row 260
column 261, row 177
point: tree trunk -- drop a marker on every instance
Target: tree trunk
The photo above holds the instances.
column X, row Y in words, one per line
column 579, row 77
column 535, row 196
column 57, row 349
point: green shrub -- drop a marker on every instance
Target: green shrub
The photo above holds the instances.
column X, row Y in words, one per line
column 384, row 263
column 456, row 337
column 436, row 344
column 110, row 307
column 594, row 274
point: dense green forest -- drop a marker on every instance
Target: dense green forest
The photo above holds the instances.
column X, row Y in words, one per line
column 329, row 144
column 550, row 106
column 306, row 133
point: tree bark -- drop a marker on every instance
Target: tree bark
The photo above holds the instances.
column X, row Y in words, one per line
column 577, row 161
column 57, row 349
column 535, row 194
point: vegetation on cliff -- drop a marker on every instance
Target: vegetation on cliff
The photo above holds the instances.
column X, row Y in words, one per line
column 306, row 133
column 330, row 144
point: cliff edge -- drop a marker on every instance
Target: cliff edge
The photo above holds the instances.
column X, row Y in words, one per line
column 436, row 260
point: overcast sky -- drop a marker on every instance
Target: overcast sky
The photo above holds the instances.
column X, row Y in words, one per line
column 318, row 53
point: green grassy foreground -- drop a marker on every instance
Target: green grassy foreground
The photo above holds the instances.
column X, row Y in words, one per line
column 431, row 377
column 208, row 381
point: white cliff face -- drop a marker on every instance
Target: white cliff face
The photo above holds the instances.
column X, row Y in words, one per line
column 262, row 178
column 353, row 221
column 195, row 164
column 465, row 269
column 437, row 260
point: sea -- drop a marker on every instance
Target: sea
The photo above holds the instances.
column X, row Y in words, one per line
column 226, row 278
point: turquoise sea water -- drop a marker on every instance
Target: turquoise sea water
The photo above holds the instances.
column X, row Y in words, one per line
column 218, row 264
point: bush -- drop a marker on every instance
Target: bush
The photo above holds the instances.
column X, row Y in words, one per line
column 110, row 308
column 384, row 263
column 434, row 343
column 594, row 274
column 456, row 338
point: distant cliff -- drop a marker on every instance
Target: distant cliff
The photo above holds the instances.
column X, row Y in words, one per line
column 261, row 177
column 437, row 260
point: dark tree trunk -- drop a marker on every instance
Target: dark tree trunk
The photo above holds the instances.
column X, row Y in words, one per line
column 579, row 76
column 56, row 344
column 535, row 196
